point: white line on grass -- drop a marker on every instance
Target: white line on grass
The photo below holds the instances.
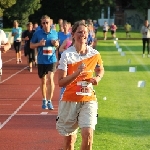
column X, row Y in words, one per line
column 139, row 60
column 15, row 112
column 13, row 75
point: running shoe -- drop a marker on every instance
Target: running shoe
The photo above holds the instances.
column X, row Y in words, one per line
column 49, row 105
column 44, row 104
column 30, row 69
column 20, row 61
column 0, row 72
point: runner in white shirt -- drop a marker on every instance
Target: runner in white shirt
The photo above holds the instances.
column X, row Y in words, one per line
column 4, row 46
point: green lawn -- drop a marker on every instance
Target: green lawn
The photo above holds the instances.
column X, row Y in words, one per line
column 124, row 118
column 119, row 33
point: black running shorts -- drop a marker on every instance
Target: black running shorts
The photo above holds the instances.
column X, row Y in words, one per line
column 43, row 69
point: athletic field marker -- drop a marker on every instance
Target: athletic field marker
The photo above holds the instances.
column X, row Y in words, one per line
column 141, row 83
column 132, row 69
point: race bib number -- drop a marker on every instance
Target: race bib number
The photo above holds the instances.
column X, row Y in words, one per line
column 18, row 40
column 84, row 88
column 47, row 50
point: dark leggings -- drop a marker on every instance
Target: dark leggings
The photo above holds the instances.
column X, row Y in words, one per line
column 146, row 40
column 31, row 55
column 17, row 46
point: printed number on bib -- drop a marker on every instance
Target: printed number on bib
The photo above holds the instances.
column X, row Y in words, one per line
column 84, row 88
column 47, row 50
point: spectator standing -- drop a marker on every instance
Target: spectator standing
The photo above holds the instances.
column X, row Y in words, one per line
column 145, row 31
column 46, row 41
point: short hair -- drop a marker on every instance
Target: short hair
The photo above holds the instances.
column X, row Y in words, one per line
column 45, row 17
column 77, row 24
column 65, row 22
column 15, row 21
column 29, row 23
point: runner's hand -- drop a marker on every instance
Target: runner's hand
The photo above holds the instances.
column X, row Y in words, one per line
column 55, row 43
column 3, row 49
column 95, row 80
column 26, row 38
column 42, row 42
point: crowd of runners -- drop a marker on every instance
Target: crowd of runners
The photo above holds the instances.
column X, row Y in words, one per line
column 69, row 49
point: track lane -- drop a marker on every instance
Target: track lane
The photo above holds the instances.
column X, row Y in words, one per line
column 29, row 127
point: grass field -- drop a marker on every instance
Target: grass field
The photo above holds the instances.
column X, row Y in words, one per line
column 124, row 118
column 119, row 33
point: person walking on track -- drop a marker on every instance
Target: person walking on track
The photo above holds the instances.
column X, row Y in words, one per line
column 46, row 42
column 78, row 103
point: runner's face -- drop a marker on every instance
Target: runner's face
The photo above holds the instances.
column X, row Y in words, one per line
column 146, row 23
column 15, row 24
column 81, row 35
column 65, row 26
column 30, row 27
column 46, row 24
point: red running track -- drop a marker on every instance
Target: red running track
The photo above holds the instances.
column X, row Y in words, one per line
column 23, row 123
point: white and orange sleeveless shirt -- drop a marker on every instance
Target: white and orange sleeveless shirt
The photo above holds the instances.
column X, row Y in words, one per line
column 80, row 89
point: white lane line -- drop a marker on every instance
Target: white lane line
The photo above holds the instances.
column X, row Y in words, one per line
column 44, row 113
column 15, row 112
column 12, row 75
column 139, row 60
column 8, row 60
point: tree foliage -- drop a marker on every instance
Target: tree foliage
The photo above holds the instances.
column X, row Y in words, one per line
column 141, row 6
column 21, row 10
column 72, row 10
column 5, row 4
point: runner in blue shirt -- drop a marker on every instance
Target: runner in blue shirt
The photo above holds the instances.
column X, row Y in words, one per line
column 46, row 42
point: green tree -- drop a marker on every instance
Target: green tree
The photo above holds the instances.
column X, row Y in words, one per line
column 21, row 11
column 4, row 4
column 73, row 10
